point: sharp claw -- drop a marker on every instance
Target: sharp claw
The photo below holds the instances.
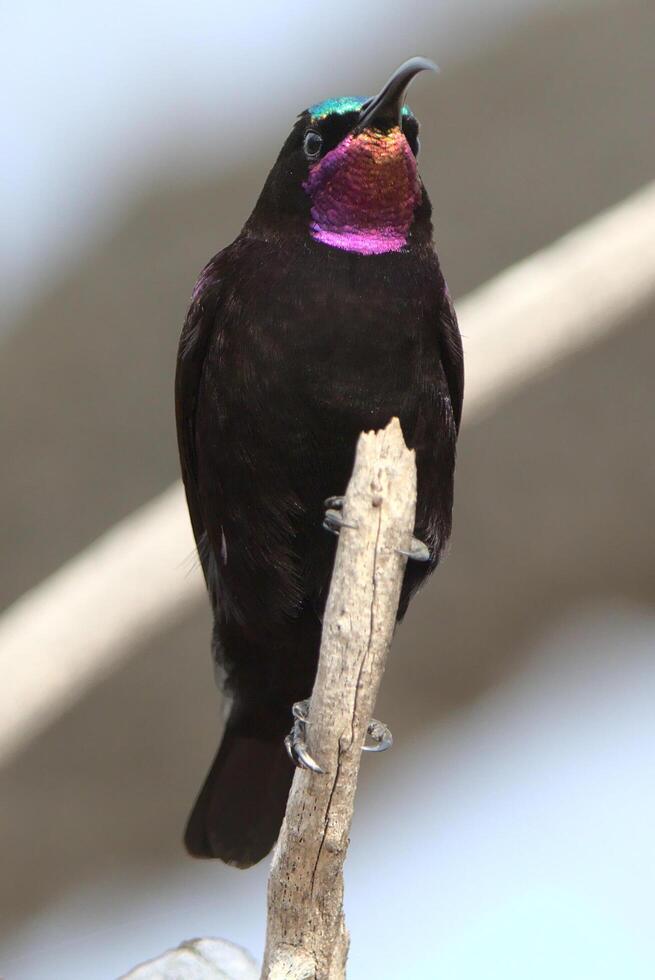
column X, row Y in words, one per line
column 295, row 742
column 333, row 521
column 334, row 502
column 304, row 759
column 381, row 735
column 417, row 551
column 330, row 521
column 288, row 744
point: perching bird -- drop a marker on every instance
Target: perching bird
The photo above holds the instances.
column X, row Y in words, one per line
column 327, row 316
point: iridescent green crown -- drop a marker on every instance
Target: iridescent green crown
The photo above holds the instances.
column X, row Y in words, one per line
column 340, row 106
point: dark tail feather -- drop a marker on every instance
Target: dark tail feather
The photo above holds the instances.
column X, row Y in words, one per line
column 239, row 810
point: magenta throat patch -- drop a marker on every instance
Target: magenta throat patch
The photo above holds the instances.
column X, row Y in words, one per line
column 364, row 193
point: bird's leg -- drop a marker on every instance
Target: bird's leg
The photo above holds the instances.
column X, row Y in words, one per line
column 296, row 741
column 333, row 520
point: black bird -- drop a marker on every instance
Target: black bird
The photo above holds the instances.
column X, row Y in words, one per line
column 328, row 315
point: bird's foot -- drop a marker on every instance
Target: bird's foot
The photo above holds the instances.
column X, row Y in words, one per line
column 333, row 520
column 417, row 551
column 296, row 740
column 380, row 735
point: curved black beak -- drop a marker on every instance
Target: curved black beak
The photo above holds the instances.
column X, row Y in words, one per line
column 384, row 110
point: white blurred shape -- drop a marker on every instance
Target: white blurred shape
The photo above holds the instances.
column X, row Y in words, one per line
column 199, row 959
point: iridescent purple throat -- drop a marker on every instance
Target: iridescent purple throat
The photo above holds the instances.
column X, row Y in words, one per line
column 364, row 193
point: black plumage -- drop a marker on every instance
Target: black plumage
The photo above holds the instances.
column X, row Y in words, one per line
column 290, row 349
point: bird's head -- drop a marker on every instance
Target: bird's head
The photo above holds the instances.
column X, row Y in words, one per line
column 347, row 174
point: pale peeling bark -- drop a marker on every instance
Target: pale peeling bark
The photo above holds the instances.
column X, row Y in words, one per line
column 307, row 937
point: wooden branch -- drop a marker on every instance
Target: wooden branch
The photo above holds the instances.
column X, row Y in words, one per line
column 306, row 936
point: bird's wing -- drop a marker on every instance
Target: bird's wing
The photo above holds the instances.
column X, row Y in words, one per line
column 201, row 322
column 452, row 358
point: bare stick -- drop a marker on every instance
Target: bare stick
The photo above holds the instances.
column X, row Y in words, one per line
column 307, row 937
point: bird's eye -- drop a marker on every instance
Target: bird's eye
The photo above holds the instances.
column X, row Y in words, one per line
column 312, row 145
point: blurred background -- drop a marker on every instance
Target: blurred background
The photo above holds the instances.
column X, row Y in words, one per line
column 510, row 832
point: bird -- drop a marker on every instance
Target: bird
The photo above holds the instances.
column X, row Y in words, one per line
column 327, row 315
